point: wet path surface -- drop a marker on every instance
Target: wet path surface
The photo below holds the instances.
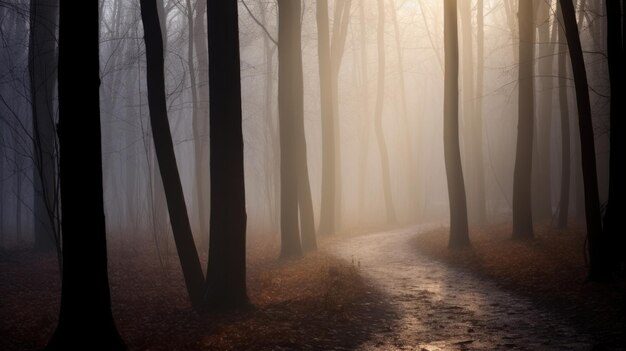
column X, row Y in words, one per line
column 440, row 308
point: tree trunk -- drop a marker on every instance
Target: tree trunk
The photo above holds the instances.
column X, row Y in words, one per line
column 365, row 118
column 522, row 211
column 597, row 245
column 481, row 200
column 289, row 110
column 166, row 157
column 85, row 317
column 201, row 124
column 459, row 235
column 617, row 79
column 226, row 271
column 327, row 210
column 565, row 129
column 411, row 164
column 378, row 117
column 541, row 179
column 42, row 68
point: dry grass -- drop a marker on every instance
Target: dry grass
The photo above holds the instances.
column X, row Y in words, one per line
column 550, row 269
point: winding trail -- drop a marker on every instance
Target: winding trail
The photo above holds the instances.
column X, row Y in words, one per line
column 440, row 308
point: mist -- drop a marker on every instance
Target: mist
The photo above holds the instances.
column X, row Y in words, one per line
column 282, row 174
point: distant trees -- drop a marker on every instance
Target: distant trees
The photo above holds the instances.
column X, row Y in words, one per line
column 331, row 203
column 296, row 215
column 42, row 69
column 459, row 235
column 166, row 158
column 378, row 117
column 226, row 271
column 522, row 206
column 85, row 319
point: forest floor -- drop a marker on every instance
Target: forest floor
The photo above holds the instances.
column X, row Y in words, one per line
column 393, row 290
column 550, row 270
column 310, row 303
column 499, row 294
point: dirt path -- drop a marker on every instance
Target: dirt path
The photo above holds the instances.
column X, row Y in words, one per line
column 440, row 308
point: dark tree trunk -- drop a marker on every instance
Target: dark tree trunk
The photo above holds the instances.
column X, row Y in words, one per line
column 166, row 158
column 597, row 246
column 85, row 319
column 378, row 117
column 459, row 235
column 617, row 77
column 327, row 210
column 289, row 110
column 565, row 130
column 226, row 271
column 42, row 68
column 522, row 211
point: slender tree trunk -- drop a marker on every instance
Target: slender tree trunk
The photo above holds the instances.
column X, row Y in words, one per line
column 522, row 212
column 378, row 117
column 201, row 124
column 226, row 271
column 365, row 118
column 166, row 157
column 272, row 183
column 327, row 211
column 597, row 246
column 459, row 234
column 565, row 128
column 289, row 110
column 617, row 79
column 481, row 199
column 541, row 179
column 85, row 317
column 42, row 68
column 410, row 160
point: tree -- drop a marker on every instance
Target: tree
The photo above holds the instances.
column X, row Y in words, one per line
column 522, row 212
column 565, row 130
column 541, row 170
column 226, row 271
column 378, row 116
column 617, row 79
column 42, row 69
column 331, row 204
column 327, row 210
column 459, row 233
column 85, row 317
column 290, row 108
column 166, row 158
column 597, row 245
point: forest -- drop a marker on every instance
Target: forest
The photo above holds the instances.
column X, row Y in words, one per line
column 312, row 175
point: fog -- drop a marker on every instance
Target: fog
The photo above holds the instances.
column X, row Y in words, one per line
column 383, row 95
column 412, row 120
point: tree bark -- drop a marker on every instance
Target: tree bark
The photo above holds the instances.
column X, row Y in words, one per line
column 226, row 271
column 166, row 157
column 597, row 245
column 459, row 234
column 522, row 211
column 85, row 317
